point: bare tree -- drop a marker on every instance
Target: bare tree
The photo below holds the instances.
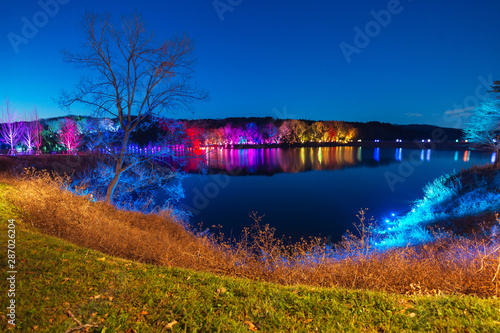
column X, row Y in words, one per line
column 130, row 78
column 483, row 130
column 37, row 131
column 32, row 132
column 11, row 129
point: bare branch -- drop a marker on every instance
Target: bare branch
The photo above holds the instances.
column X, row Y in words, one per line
column 130, row 78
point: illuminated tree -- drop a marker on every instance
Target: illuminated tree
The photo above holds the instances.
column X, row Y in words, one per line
column 218, row 136
column 38, row 133
column 252, row 133
column 344, row 131
column 298, row 128
column 319, row 129
column 131, row 78
column 483, row 131
column 69, row 135
column 11, row 129
column 285, row 132
column 269, row 133
column 214, row 136
column 351, row 133
column 231, row 135
column 32, row 134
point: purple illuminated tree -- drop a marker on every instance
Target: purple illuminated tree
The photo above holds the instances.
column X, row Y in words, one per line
column 231, row 135
column 32, row 134
column 252, row 133
column 11, row 129
column 269, row 133
column 131, row 78
column 69, row 135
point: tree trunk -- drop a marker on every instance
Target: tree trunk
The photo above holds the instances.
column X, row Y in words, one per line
column 118, row 169
column 112, row 187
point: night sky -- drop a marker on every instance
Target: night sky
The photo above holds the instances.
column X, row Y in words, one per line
column 428, row 62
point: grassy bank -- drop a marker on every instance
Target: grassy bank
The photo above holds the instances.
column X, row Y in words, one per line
column 450, row 265
column 57, row 279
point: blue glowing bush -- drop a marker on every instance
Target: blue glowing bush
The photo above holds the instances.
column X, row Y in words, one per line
column 441, row 189
column 144, row 188
column 475, row 202
column 444, row 200
column 397, row 237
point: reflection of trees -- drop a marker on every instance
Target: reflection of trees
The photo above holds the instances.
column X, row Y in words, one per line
column 279, row 160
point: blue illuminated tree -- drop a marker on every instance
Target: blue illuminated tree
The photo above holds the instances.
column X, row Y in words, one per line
column 483, row 130
column 131, row 78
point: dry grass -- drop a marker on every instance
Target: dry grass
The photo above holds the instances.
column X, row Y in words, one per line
column 448, row 265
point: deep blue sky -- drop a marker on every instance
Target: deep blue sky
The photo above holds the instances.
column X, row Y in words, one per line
column 283, row 59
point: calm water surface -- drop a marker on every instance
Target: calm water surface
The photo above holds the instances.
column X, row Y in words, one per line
column 313, row 191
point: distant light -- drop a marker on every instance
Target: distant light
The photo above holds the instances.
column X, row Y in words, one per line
column 429, row 140
column 457, row 140
column 392, row 214
column 387, row 221
column 423, row 140
column 358, row 140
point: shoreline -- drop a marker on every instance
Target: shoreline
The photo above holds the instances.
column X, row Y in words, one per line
column 367, row 144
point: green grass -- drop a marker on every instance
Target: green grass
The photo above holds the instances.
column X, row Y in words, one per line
column 119, row 295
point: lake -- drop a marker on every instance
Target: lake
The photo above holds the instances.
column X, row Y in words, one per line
column 313, row 191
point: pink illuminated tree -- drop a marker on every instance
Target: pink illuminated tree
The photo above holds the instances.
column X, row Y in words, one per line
column 69, row 135
column 285, row 132
column 11, row 129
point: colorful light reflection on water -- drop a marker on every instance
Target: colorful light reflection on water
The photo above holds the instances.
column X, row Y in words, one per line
column 323, row 201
